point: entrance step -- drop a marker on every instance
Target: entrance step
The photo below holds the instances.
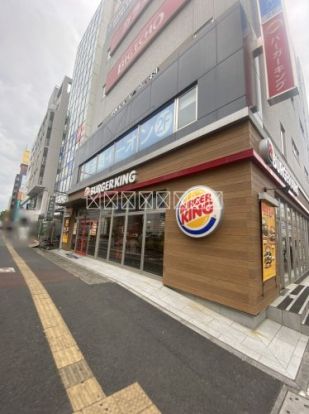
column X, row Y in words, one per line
column 291, row 309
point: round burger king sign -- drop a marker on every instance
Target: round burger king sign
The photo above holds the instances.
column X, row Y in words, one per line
column 199, row 211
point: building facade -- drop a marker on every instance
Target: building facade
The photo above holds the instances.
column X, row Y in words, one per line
column 84, row 88
column 45, row 152
column 188, row 143
column 19, row 191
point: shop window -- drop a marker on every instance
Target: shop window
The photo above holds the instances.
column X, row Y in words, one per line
column 187, row 108
column 105, row 158
column 158, row 127
column 116, row 242
column 104, row 237
column 154, row 243
column 126, row 146
column 134, row 237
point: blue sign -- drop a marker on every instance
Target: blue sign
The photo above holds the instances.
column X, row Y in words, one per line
column 126, row 146
column 157, row 128
column 269, row 8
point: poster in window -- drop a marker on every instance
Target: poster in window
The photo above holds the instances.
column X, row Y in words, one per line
column 268, row 216
column 157, row 128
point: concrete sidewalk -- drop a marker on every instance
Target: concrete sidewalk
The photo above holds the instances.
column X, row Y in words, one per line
column 271, row 345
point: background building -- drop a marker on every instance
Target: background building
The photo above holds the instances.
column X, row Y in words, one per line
column 84, row 89
column 19, row 190
column 185, row 100
column 45, row 152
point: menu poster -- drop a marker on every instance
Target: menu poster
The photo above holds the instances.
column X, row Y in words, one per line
column 268, row 216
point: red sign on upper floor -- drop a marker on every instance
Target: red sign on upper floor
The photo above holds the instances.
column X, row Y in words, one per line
column 151, row 29
column 126, row 25
column 280, row 78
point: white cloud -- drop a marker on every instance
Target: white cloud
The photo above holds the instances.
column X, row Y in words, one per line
column 38, row 43
column 298, row 18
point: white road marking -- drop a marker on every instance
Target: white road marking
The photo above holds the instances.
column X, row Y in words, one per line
column 7, row 270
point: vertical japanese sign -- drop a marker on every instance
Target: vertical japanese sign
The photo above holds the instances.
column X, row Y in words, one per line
column 65, row 232
column 268, row 216
column 278, row 60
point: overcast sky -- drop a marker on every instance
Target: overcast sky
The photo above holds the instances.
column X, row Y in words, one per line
column 38, row 42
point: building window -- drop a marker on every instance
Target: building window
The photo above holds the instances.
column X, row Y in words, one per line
column 176, row 115
column 306, row 174
column 282, row 140
column 187, row 108
column 259, row 109
column 301, row 128
column 295, row 150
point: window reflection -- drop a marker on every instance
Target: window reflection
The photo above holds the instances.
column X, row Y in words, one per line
column 154, row 243
column 117, row 239
column 134, row 238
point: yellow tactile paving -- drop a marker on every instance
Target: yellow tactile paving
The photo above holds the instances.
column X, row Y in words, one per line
column 151, row 410
column 132, row 399
column 84, row 392
column 67, row 356
column 105, row 406
column 75, row 373
column 57, row 343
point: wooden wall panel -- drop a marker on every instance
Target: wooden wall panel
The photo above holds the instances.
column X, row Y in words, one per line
column 214, row 267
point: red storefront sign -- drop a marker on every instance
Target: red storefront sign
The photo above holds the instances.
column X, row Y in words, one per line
column 277, row 56
column 129, row 21
column 151, row 29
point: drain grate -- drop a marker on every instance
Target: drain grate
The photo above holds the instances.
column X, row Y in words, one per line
column 297, row 290
column 298, row 304
column 285, row 303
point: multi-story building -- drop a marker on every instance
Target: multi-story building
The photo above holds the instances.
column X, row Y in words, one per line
column 45, row 152
column 84, row 88
column 18, row 193
column 197, row 102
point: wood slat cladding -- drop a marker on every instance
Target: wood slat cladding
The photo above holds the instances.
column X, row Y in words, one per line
column 262, row 294
column 214, row 267
column 225, row 267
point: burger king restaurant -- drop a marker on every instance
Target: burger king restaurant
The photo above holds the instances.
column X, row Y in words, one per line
column 193, row 177
column 220, row 225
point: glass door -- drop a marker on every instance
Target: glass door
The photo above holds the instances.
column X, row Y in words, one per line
column 104, row 237
column 134, row 239
column 117, row 238
column 93, row 226
column 82, row 237
column 154, row 243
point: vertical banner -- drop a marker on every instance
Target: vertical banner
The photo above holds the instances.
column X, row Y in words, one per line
column 268, row 217
column 66, row 229
column 278, row 60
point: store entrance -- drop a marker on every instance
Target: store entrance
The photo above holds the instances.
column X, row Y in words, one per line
column 86, row 237
column 292, row 241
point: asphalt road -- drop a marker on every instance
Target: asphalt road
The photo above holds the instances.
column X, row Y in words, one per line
column 124, row 340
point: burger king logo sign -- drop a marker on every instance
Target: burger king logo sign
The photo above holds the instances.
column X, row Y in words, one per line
column 199, row 211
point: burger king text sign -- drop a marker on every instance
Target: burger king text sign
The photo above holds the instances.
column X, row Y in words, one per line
column 199, row 211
